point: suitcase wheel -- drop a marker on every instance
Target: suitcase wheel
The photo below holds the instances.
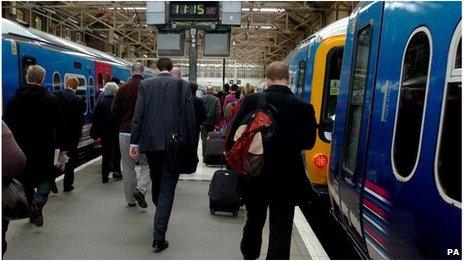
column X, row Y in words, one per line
column 212, row 211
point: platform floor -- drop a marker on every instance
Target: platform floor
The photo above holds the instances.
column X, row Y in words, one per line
column 93, row 222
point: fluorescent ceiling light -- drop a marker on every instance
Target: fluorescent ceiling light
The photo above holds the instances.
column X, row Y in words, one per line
column 264, row 10
column 265, row 27
column 136, row 8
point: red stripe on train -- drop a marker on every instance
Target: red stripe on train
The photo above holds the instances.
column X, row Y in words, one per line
column 382, row 192
column 376, row 237
column 377, row 210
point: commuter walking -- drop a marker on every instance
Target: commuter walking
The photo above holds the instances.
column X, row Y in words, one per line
column 163, row 118
column 247, row 90
column 73, row 109
column 35, row 118
column 135, row 187
column 231, row 96
column 213, row 115
column 282, row 181
column 105, row 128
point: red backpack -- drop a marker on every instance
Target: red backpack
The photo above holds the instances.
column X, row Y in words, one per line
column 251, row 140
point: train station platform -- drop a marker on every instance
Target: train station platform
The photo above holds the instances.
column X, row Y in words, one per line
column 94, row 222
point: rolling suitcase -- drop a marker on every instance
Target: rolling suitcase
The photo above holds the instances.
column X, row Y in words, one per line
column 223, row 194
column 214, row 149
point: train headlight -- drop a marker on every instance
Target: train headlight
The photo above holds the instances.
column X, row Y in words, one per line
column 320, row 160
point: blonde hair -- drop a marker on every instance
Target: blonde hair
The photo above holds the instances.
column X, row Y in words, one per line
column 35, row 74
column 72, row 82
column 110, row 89
column 248, row 89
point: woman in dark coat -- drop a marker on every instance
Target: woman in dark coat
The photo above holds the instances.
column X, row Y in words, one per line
column 104, row 127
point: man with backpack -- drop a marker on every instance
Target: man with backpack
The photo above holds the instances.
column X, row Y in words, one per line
column 269, row 160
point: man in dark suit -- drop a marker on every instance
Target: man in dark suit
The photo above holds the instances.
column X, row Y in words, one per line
column 73, row 108
column 152, row 126
column 36, row 121
column 283, row 179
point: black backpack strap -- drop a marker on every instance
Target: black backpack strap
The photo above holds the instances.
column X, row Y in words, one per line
column 261, row 100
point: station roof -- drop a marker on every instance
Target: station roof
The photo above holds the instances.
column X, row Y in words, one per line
column 269, row 29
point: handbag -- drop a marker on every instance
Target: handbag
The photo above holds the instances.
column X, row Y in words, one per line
column 14, row 202
column 181, row 156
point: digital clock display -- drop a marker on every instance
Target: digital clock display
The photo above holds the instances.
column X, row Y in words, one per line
column 197, row 11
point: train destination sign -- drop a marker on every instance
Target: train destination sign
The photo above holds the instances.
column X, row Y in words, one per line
column 196, row 11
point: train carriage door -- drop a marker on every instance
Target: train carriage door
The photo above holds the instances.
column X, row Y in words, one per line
column 365, row 30
column 103, row 74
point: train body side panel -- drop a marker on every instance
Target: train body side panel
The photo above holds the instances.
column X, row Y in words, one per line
column 421, row 224
column 122, row 73
column 10, row 75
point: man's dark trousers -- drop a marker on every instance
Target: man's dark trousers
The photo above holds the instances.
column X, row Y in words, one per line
column 280, row 225
column 163, row 183
column 68, row 180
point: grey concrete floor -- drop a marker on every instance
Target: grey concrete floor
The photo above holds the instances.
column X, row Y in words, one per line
column 93, row 222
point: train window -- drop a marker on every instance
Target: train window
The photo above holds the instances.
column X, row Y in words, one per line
column 411, row 104
column 301, row 78
column 91, row 94
column 449, row 153
column 356, row 102
column 26, row 62
column 448, row 156
column 77, row 65
column 56, row 81
column 81, row 88
column 331, row 89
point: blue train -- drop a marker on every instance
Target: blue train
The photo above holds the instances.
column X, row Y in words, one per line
column 395, row 167
column 23, row 46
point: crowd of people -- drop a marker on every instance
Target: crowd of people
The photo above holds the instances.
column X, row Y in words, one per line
column 142, row 122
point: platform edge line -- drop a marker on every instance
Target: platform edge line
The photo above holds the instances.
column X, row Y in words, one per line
column 314, row 247
column 80, row 167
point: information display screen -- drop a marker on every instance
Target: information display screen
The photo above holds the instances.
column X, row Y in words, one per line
column 216, row 44
column 170, row 44
column 192, row 10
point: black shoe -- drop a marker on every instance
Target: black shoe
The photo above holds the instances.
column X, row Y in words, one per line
column 53, row 187
column 138, row 195
column 67, row 189
column 117, row 176
column 131, row 204
column 36, row 215
column 160, row 245
column 105, row 180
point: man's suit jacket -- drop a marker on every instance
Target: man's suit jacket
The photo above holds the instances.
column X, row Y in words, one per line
column 73, row 109
column 154, row 113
